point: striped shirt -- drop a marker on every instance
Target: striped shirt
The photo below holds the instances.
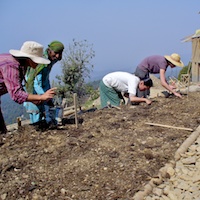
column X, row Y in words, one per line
column 11, row 77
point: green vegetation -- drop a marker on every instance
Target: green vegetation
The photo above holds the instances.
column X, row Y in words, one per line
column 76, row 67
column 88, row 104
column 93, row 93
column 90, row 90
column 184, row 70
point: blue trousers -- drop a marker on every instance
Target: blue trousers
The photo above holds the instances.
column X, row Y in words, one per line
column 50, row 113
column 35, row 117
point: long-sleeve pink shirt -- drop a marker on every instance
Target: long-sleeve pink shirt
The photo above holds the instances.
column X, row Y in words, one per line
column 11, row 77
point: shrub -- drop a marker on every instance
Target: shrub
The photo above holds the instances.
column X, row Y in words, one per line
column 184, row 70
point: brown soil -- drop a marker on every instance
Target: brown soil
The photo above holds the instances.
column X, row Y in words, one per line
column 111, row 155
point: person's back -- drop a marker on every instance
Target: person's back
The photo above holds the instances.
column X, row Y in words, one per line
column 8, row 65
column 121, row 81
column 153, row 64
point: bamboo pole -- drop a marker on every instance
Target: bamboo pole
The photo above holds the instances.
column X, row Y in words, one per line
column 69, row 112
column 187, row 143
column 69, row 108
column 167, row 126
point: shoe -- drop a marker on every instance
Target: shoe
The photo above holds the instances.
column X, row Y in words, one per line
column 52, row 126
column 40, row 126
column 3, row 132
column 135, row 103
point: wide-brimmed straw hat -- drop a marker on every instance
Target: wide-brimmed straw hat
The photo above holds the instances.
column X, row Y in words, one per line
column 175, row 59
column 32, row 50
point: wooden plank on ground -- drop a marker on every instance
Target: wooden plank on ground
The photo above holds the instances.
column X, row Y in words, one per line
column 167, row 126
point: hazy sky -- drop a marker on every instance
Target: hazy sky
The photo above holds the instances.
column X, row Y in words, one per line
column 122, row 32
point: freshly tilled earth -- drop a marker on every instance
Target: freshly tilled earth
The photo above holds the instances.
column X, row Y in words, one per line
column 111, row 155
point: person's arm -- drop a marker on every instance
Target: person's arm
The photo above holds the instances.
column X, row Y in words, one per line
column 140, row 99
column 166, row 85
column 49, row 94
column 15, row 89
column 133, row 84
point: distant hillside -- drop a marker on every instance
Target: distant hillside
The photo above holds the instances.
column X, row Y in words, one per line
column 12, row 110
column 94, row 84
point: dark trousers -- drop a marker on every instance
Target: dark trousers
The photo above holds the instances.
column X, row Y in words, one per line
column 3, row 128
column 142, row 75
column 50, row 112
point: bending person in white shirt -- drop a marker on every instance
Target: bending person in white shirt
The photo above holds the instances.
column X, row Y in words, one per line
column 113, row 84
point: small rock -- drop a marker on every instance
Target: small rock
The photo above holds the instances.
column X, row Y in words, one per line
column 3, row 196
column 63, row 191
column 157, row 191
column 170, row 171
column 189, row 161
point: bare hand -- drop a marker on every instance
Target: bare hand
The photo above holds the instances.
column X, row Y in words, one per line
column 172, row 87
column 177, row 95
column 49, row 94
column 148, row 102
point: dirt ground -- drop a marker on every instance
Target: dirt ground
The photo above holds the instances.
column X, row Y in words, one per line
column 111, row 155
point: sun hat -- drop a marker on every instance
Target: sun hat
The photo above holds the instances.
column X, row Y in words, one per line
column 175, row 59
column 56, row 46
column 32, row 50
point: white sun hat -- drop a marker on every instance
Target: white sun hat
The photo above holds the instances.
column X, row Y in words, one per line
column 175, row 59
column 32, row 50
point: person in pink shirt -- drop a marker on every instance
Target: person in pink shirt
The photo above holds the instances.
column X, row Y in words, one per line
column 13, row 66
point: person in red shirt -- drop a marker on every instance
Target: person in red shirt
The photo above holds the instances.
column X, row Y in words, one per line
column 13, row 66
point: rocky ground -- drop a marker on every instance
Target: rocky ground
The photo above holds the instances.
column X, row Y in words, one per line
column 111, row 155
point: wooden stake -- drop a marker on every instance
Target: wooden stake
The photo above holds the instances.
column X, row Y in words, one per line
column 75, row 105
column 167, row 126
column 19, row 122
